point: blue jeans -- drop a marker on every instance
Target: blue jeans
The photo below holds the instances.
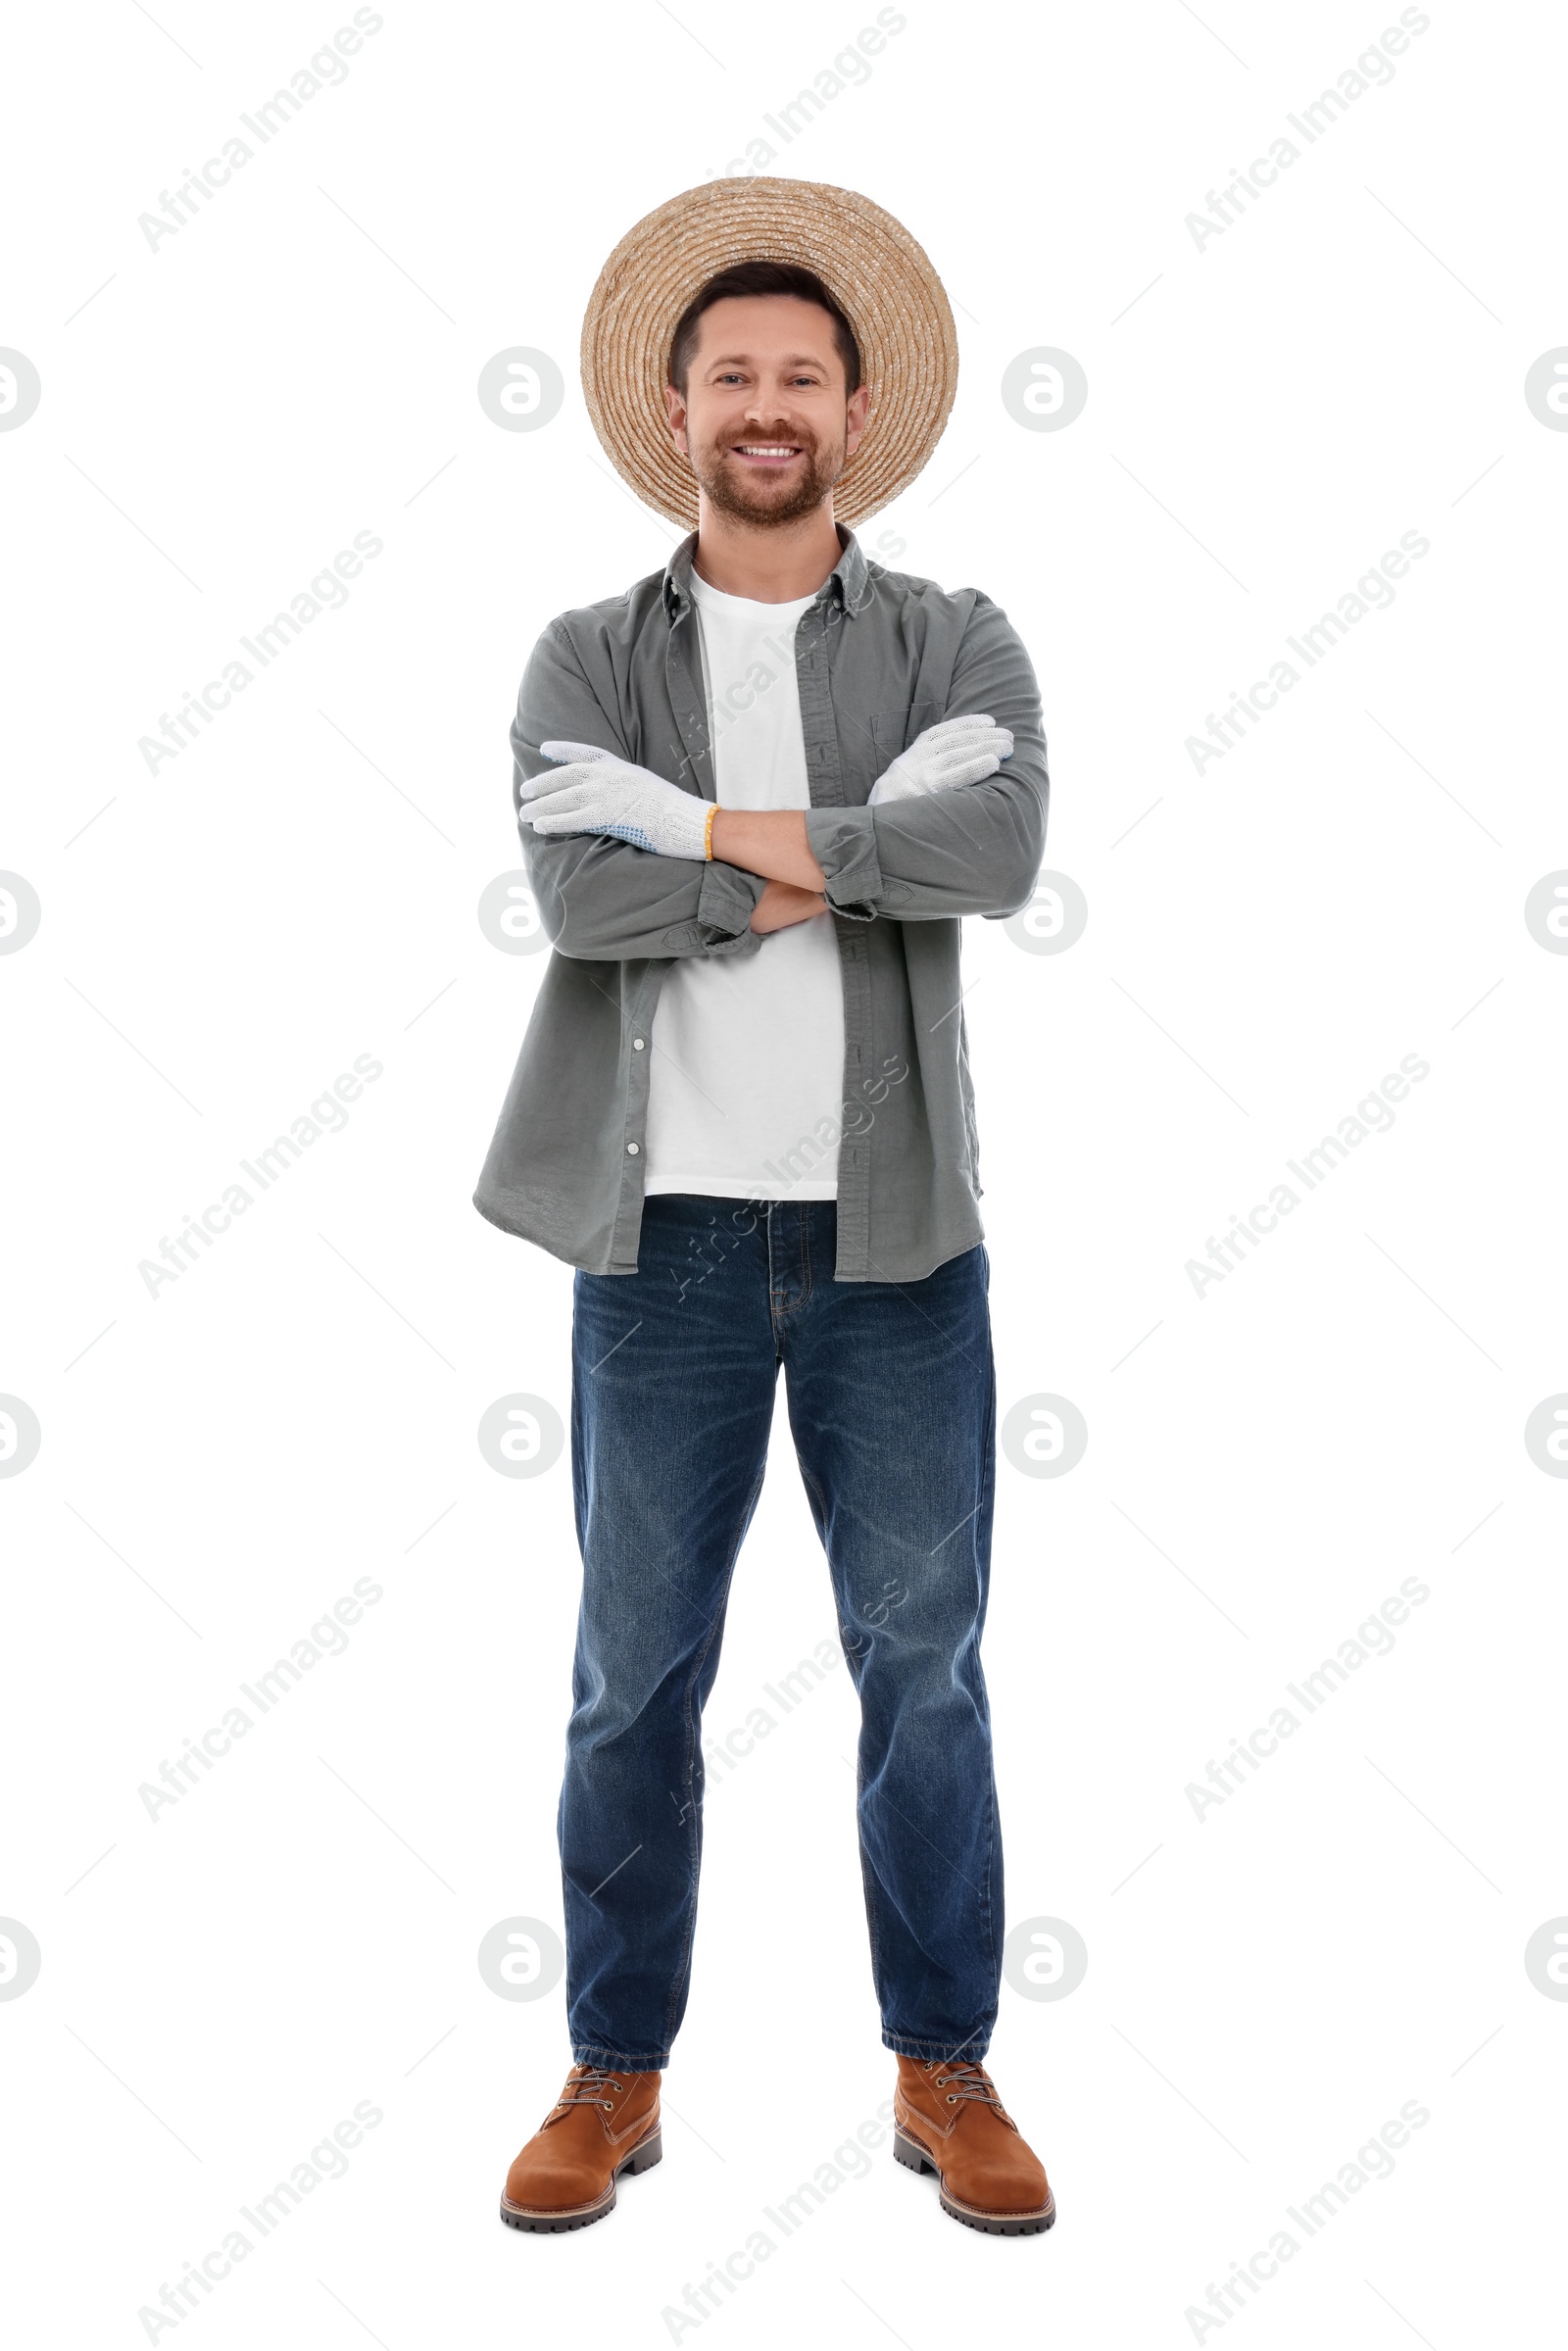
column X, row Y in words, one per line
column 892, row 1404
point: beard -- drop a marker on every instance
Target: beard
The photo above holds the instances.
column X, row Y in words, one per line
column 756, row 500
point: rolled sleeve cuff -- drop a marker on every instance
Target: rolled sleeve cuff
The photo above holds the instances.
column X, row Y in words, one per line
column 843, row 842
column 726, row 903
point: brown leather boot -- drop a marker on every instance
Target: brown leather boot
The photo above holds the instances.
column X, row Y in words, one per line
column 947, row 2119
column 603, row 2124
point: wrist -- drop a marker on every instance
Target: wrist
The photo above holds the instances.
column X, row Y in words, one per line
column 782, row 905
column 720, row 835
column 771, row 842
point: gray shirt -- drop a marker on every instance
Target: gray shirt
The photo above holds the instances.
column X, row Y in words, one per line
column 879, row 656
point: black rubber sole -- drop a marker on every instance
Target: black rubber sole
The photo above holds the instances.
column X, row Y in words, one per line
column 915, row 2159
column 550, row 2224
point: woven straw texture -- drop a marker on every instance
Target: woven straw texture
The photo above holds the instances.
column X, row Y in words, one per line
column 889, row 290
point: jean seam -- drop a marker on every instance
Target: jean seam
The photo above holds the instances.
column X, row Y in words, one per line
column 856, row 1667
column 682, row 1973
column 867, row 1883
column 987, row 1489
column 978, row 2042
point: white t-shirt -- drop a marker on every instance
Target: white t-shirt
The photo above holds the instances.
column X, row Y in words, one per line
column 747, row 1080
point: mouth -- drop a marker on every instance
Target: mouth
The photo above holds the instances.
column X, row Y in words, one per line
column 766, row 455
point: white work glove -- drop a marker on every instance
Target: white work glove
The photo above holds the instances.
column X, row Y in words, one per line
column 598, row 793
column 953, row 752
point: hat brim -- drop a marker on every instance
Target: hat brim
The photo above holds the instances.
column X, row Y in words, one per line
column 889, row 291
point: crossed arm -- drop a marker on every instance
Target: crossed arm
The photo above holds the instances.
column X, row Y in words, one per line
column 944, row 853
column 772, row 843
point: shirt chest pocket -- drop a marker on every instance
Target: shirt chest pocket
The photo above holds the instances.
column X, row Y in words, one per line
column 893, row 731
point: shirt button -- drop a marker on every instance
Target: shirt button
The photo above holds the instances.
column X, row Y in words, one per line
column 631, row 1150
column 637, row 1044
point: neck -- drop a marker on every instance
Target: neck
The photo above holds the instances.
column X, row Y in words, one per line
column 766, row 564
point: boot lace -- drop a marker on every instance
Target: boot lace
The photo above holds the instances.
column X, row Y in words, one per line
column 963, row 2080
column 587, row 2088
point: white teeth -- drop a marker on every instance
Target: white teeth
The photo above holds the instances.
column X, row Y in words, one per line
column 745, row 450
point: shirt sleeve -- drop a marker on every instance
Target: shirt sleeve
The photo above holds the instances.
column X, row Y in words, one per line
column 972, row 851
column 600, row 899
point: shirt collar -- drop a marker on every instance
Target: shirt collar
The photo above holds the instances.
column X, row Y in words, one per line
column 848, row 584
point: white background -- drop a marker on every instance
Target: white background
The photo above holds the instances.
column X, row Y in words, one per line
column 1266, row 415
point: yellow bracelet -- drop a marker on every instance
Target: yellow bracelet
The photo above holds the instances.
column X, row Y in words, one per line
column 708, row 832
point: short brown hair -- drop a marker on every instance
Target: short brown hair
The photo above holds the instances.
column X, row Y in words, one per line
column 762, row 278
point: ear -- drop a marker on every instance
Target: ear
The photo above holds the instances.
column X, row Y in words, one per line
column 854, row 419
column 676, row 411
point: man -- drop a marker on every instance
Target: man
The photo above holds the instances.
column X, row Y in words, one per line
column 758, row 794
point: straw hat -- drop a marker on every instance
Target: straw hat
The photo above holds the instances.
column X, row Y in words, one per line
column 890, row 293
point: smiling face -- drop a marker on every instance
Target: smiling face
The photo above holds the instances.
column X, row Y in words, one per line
column 765, row 418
